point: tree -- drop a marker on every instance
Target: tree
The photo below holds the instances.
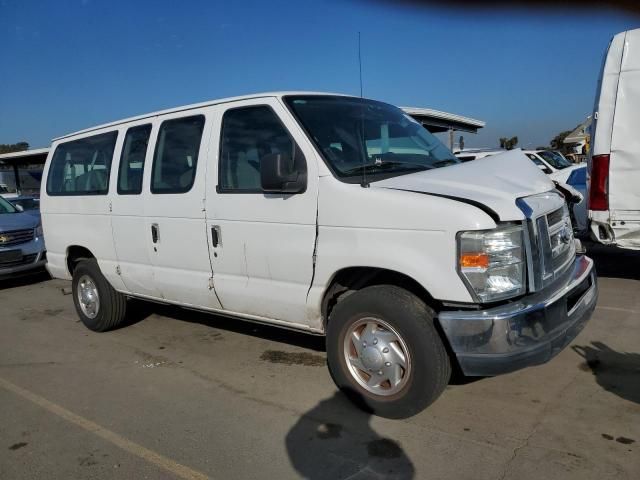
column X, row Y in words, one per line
column 13, row 147
column 508, row 143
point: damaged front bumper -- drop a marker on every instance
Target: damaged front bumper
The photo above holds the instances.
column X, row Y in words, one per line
column 526, row 332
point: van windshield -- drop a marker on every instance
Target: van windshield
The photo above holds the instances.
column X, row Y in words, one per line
column 363, row 137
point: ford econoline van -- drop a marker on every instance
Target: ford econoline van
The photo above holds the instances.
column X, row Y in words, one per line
column 614, row 160
column 328, row 214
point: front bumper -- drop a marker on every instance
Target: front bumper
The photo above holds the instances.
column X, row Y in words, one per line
column 33, row 257
column 529, row 331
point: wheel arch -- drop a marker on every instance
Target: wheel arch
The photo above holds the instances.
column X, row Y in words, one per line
column 76, row 253
column 350, row 279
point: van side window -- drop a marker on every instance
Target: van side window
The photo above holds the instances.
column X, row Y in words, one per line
column 249, row 133
column 82, row 167
column 134, row 151
column 176, row 155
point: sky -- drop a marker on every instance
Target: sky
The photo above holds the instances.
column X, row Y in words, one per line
column 71, row 64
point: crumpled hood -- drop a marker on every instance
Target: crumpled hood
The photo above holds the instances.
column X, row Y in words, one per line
column 494, row 182
column 17, row 221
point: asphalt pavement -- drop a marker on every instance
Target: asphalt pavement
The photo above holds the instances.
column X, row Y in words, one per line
column 181, row 394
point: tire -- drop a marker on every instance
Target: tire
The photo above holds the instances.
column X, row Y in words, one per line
column 397, row 313
column 110, row 311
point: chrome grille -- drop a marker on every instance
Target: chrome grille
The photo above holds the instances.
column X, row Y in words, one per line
column 549, row 238
column 16, row 237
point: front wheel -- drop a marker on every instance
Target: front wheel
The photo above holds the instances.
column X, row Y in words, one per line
column 384, row 352
column 98, row 304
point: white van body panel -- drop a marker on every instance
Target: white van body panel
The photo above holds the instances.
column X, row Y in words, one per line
column 85, row 220
column 400, row 231
column 129, row 228
column 615, row 132
column 278, row 254
column 263, row 264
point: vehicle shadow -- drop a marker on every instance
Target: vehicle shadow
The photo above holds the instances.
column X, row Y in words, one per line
column 143, row 310
column 616, row 372
column 334, row 440
column 23, row 280
column 613, row 262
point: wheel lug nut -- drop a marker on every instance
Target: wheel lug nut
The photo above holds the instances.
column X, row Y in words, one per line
column 385, row 350
column 375, row 341
column 387, row 364
column 364, row 344
column 380, row 372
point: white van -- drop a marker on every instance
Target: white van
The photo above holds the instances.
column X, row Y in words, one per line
column 614, row 163
column 328, row 214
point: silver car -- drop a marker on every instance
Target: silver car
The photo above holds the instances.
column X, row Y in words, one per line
column 22, row 247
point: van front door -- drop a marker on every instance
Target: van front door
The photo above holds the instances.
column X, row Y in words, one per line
column 174, row 211
column 262, row 244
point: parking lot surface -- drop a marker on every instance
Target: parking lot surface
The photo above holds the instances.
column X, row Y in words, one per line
column 180, row 394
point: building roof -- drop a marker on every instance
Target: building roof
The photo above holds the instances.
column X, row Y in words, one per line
column 437, row 121
column 580, row 133
column 24, row 154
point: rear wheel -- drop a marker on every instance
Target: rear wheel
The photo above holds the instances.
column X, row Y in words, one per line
column 384, row 352
column 99, row 306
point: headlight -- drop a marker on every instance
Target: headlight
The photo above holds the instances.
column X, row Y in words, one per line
column 492, row 262
column 39, row 230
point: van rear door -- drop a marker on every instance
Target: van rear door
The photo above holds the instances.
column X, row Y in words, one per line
column 624, row 173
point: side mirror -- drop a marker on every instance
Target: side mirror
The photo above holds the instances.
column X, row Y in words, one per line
column 277, row 174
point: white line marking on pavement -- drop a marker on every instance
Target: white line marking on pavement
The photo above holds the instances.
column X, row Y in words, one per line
column 150, row 456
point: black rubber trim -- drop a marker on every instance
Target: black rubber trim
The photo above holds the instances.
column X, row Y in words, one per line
column 481, row 206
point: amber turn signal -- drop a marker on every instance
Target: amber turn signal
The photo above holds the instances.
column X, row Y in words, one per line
column 474, row 260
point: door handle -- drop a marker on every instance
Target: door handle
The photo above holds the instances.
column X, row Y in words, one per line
column 216, row 236
column 155, row 232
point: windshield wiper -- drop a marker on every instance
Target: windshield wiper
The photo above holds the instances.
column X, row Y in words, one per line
column 372, row 167
column 446, row 163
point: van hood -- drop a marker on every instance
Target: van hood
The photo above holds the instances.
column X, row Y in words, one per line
column 492, row 183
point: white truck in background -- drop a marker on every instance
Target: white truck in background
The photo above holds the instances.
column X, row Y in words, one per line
column 614, row 164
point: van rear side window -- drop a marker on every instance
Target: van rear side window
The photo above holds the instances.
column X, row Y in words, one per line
column 134, row 152
column 82, row 167
column 176, row 155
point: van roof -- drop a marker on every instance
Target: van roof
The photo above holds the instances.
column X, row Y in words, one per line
column 194, row 106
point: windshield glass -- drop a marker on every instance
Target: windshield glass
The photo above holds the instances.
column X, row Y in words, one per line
column 6, row 207
column 555, row 159
column 359, row 137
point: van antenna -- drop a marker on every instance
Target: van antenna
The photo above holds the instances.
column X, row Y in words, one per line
column 360, row 63
column 364, row 183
